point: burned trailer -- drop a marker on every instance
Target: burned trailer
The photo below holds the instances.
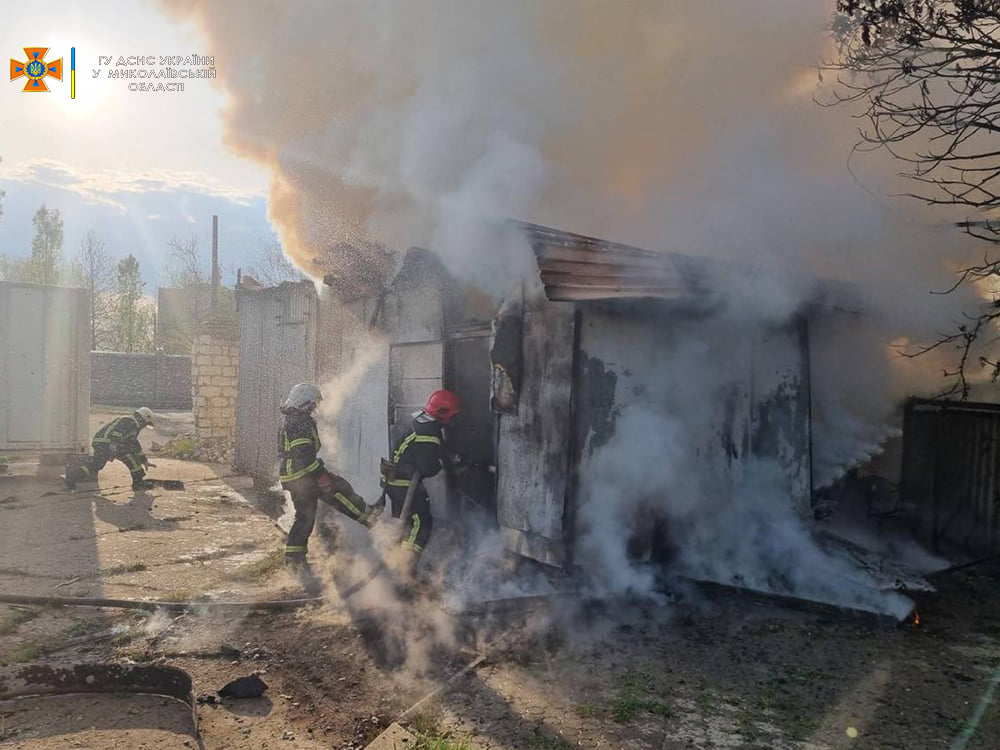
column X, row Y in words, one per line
column 611, row 340
column 589, row 351
column 549, row 378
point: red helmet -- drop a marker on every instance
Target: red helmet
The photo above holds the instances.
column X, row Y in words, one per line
column 443, row 406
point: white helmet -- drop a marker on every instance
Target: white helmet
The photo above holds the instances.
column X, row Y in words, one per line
column 302, row 396
column 144, row 416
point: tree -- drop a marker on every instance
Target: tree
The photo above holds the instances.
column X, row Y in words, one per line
column 94, row 269
column 46, row 247
column 187, row 304
column 273, row 266
column 133, row 320
column 925, row 74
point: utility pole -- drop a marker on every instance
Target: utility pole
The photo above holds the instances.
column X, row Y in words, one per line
column 215, row 265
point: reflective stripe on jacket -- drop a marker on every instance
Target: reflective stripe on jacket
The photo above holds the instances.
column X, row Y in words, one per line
column 421, row 449
column 298, row 447
column 123, row 435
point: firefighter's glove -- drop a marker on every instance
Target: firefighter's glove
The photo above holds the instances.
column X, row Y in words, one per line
column 374, row 512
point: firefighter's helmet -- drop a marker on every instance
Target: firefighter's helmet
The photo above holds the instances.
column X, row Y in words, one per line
column 443, row 406
column 144, row 416
column 303, row 396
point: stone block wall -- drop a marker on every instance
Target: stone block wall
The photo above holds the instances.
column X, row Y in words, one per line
column 214, row 377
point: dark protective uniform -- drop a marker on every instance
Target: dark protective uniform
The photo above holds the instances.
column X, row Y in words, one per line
column 420, row 450
column 118, row 439
column 302, row 473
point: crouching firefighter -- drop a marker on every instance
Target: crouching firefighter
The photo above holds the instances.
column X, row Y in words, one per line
column 302, row 473
column 118, row 439
column 419, row 455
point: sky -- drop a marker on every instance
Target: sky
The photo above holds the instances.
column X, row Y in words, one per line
column 137, row 168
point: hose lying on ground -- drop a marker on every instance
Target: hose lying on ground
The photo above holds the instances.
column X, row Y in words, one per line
column 86, row 601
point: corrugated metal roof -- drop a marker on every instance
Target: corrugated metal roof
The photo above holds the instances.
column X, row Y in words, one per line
column 575, row 267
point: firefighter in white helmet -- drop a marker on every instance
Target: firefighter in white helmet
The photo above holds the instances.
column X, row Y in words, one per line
column 119, row 439
column 302, row 473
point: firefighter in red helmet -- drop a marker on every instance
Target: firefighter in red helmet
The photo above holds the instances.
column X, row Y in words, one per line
column 420, row 451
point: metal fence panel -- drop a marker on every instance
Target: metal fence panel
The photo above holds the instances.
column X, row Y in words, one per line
column 44, row 368
column 951, row 459
column 277, row 350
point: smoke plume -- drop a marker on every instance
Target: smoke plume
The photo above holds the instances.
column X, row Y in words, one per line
column 683, row 126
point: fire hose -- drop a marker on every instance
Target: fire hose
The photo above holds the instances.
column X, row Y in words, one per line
column 152, row 606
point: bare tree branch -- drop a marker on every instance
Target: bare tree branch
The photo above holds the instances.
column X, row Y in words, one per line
column 925, row 76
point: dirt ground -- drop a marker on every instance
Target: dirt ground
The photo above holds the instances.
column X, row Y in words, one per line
column 724, row 673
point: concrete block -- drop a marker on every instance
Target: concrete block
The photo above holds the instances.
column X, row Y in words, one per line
column 212, row 370
column 219, row 401
column 221, row 360
column 393, row 738
column 208, row 391
column 229, row 372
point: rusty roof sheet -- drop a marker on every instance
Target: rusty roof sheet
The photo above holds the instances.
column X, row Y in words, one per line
column 575, row 267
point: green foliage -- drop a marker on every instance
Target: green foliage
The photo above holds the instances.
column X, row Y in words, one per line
column 261, row 569
column 11, row 620
column 133, row 318
column 185, row 446
column 94, row 270
column 539, row 740
column 19, row 654
column 639, row 693
column 588, row 711
column 440, row 743
column 46, row 247
column 120, row 569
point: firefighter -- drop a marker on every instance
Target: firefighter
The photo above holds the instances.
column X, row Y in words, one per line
column 119, row 439
column 421, row 451
column 302, row 473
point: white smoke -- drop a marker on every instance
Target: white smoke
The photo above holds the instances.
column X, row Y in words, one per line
column 686, row 126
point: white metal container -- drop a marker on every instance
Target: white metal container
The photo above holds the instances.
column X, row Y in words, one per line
column 44, row 368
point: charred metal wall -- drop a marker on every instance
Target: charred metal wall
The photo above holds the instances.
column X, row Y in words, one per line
column 534, row 448
column 588, row 367
column 951, row 472
column 780, row 426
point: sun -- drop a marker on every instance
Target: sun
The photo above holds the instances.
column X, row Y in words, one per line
column 84, row 96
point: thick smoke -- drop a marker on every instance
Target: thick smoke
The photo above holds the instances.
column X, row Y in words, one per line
column 684, row 126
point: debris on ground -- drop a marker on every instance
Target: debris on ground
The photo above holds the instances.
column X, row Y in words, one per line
column 250, row 686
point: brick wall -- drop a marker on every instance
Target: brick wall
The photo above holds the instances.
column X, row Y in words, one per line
column 159, row 381
column 214, row 369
